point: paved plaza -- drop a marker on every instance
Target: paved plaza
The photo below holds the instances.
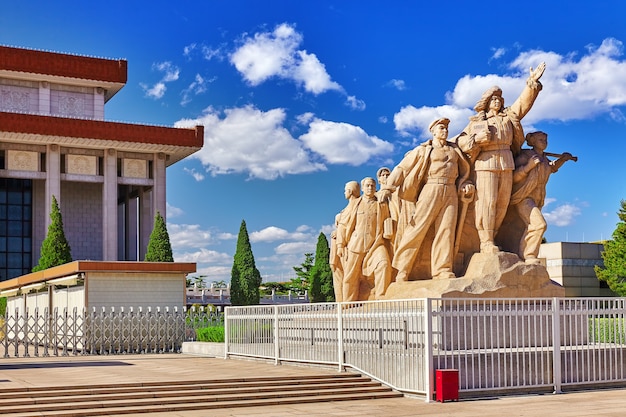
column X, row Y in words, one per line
column 77, row 370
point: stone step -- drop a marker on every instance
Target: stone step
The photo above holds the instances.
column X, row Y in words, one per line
column 193, row 395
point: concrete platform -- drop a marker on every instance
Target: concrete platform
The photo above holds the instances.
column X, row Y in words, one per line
column 53, row 371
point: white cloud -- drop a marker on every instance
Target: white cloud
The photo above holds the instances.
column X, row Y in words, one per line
column 354, row 103
column 497, row 53
column 156, row 91
column 198, row 86
column 170, row 73
column 173, row 211
column 273, row 233
column 295, row 248
column 343, row 143
column 575, row 87
column 399, row 85
column 198, row 176
column 410, row 118
column 562, row 215
column 248, row 140
column 187, row 236
column 204, row 256
column 275, row 54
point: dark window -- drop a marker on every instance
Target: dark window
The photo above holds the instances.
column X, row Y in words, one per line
column 15, row 227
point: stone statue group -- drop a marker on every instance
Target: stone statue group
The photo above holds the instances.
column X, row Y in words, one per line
column 479, row 192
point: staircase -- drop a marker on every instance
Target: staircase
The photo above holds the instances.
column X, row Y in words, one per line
column 149, row 397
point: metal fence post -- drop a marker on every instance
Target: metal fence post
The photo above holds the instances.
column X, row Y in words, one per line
column 276, row 346
column 226, row 332
column 556, row 342
column 428, row 350
column 340, row 354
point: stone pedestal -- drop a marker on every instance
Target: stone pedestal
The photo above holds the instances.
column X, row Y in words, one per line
column 500, row 275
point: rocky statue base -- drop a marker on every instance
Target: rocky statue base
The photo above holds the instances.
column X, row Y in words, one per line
column 500, row 275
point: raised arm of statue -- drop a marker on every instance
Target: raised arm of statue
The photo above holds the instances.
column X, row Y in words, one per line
column 527, row 98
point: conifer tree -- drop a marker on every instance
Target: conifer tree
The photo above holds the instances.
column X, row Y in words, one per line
column 614, row 256
column 55, row 250
column 321, row 276
column 245, row 277
column 159, row 246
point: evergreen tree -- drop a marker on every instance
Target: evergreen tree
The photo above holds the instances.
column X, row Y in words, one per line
column 322, row 289
column 159, row 246
column 614, row 256
column 245, row 278
column 303, row 274
column 55, row 250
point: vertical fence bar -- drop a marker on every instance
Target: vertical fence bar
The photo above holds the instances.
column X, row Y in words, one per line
column 428, row 349
column 556, row 345
column 226, row 332
column 340, row 354
column 276, row 339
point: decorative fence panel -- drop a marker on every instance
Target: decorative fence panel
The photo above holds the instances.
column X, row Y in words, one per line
column 515, row 345
column 98, row 332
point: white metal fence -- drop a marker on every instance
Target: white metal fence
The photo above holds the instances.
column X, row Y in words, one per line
column 62, row 332
column 541, row 344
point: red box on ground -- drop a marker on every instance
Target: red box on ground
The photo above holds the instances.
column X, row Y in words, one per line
column 447, row 385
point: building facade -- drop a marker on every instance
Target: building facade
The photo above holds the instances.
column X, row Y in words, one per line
column 108, row 177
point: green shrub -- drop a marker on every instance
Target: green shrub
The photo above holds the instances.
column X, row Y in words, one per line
column 211, row 334
column 3, row 306
column 607, row 330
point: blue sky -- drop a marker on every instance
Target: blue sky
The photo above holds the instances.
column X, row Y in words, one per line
column 299, row 97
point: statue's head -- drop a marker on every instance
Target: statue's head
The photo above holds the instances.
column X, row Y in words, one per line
column 537, row 139
column 352, row 189
column 368, row 185
column 484, row 103
column 437, row 128
column 382, row 175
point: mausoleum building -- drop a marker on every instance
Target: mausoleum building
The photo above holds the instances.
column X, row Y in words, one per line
column 108, row 177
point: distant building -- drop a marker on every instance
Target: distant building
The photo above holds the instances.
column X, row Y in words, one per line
column 572, row 266
column 108, row 177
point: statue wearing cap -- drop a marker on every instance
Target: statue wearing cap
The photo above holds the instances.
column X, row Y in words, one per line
column 432, row 175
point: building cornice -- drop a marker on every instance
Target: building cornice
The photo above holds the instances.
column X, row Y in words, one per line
column 29, row 64
column 178, row 143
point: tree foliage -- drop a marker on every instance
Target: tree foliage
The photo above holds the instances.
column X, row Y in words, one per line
column 245, row 277
column 614, row 256
column 159, row 246
column 301, row 281
column 55, row 249
column 321, row 281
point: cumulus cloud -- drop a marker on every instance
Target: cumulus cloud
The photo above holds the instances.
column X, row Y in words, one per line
column 295, row 248
column 275, row 54
column 173, row 211
column 575, row 87
column 187, row 236
column 562, row 215
column 273, row 233
column 343, row 143
column 170, row 73
column 413, row 119
column 205, row 256
column 248, row 140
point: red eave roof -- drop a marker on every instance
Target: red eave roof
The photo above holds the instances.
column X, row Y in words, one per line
column 63, row 65
column 102, row 130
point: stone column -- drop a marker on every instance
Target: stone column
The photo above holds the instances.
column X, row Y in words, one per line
column 158, row 189
column 109, row 206
column 53, row 178
column 44, row 98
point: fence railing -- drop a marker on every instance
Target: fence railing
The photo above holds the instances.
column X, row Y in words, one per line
column 62, row 332
column 541, row 344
